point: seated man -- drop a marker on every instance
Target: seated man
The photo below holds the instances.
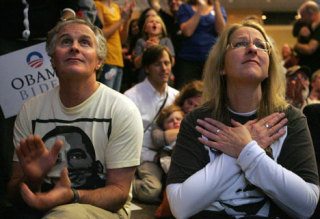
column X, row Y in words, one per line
column 151, row 96
column 81, row 141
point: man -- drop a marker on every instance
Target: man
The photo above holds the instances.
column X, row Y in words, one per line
column 151, row 96
column 102, row 134
column 25, row 23
column 310, row 13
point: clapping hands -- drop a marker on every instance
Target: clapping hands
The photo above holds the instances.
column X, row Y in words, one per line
column 127, row 9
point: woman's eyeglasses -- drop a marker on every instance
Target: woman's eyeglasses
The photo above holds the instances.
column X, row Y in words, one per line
column 259, row 45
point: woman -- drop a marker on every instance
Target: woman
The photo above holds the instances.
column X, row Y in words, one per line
column 200, row 22
column 115, row 21
column 236, row 150
column 143, row 16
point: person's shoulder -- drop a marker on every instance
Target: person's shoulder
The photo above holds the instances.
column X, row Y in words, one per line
column 172, row 90
column 164, row 39
column 199, row 113
column 185, row 6
column 99, row 4
column 312, row 109
column 135, row 89
column 293, row 113
column 109, row 92
column 116, row 99
column 204, row 110
column 42, row 98
column 41, row 102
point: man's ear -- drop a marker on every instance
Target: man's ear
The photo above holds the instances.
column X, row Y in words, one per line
column 146, row 70
column 100, row 63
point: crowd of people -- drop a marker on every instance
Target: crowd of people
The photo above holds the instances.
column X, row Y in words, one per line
column 171, row 108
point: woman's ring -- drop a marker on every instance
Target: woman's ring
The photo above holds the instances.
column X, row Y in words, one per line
column 217, row 131
column 267, row 125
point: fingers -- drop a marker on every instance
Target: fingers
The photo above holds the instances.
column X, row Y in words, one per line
column 56, row 149
column 23, row 148
column 276, row 123
column 279, row 126
column 272, row 119
column 208, row 134
column 235, row 123
column 250, row 122
column 28, row 196
column 30, row 147
column 211, row 124
column 278, row 134
column 64, row 180
column 207, row 142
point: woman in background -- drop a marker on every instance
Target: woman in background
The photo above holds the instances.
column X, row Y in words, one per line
column 114, row 19
column 201, row 22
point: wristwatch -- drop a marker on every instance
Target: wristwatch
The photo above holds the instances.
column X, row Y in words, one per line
column 76, row 197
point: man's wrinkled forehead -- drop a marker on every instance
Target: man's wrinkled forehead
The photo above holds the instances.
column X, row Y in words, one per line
column 76, row 29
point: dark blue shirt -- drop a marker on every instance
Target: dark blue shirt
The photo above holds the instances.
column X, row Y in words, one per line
column 197, row 46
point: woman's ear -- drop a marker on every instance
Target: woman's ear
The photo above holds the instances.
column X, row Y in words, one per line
column 52, row 64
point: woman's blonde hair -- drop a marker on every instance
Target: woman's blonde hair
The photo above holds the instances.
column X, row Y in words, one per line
column 158, row 18
column 215, row 86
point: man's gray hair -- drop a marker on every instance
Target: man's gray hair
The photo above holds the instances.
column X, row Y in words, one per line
column 100, row 40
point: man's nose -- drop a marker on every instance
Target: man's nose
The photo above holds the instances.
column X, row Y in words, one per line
column 75, row 46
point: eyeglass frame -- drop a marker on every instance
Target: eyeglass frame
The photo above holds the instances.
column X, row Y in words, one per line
column 267, row 50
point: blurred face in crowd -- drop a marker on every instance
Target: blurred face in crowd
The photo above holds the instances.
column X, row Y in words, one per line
column 173, row 121
column 75, row 52
column 247, row 57
column 134, row 28
column 153, row 26
column 286, row 51
column 174, row 5
column 158, row 72
column 316, row 83
column 190, row 103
